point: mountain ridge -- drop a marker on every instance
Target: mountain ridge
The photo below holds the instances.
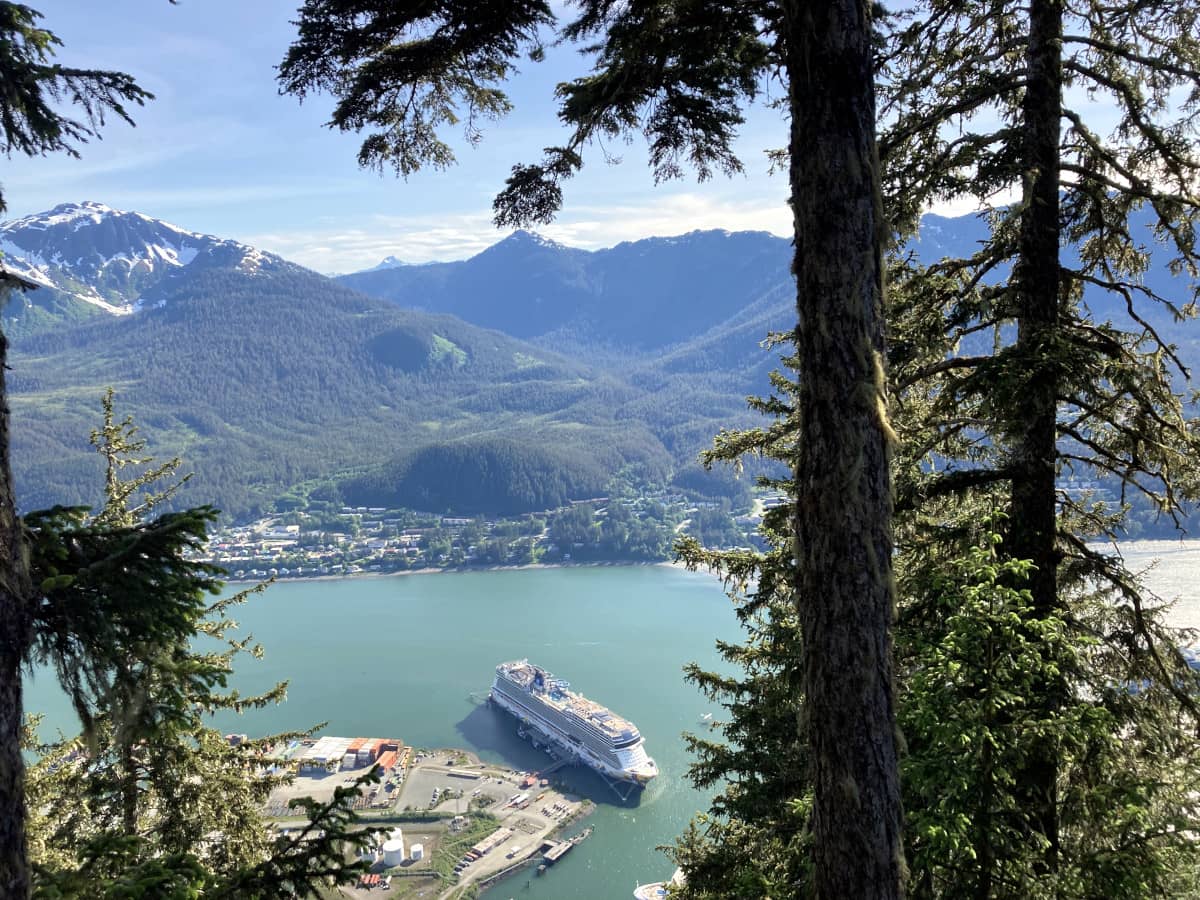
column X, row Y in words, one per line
column 274, row 380
column 270, row 378
column 109, row 259
column 639, row 296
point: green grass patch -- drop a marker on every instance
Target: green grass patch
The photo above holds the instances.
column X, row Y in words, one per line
column 525, row 361
column 443, row 350
column 454, row 846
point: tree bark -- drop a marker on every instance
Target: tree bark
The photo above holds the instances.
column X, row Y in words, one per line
column 1033, row 523
column 15, row 636
column 844, row 585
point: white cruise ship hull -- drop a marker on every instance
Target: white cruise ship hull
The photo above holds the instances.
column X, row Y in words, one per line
column 541, row 730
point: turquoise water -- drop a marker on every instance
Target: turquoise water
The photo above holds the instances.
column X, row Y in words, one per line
column 403, row 656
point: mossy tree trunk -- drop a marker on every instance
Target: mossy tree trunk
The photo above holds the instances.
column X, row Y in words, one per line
column 14, row 645
column 1033, row 524
column 844, row 585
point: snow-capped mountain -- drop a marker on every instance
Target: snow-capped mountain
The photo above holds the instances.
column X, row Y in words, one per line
column 112, row 259
column 388, row 262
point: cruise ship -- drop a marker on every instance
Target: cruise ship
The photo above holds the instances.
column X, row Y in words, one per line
column 572, row 725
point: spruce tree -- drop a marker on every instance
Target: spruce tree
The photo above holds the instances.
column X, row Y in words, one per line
column 37, row 106
column 151, row 793
column 1031, row 362
column 1049, row 716
column 682, row 73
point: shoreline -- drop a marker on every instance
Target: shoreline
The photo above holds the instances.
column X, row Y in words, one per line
column 670, row 564
column 1140, row 546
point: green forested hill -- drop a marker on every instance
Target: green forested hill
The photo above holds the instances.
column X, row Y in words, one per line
column 263, row 382
column 271, row 380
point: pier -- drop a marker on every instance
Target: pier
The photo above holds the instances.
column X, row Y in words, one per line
column 558, row 849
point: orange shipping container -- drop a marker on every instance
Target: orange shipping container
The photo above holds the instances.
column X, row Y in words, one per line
column 371, row 749
column 387, row 760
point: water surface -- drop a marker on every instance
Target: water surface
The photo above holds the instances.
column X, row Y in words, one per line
column 411, row 656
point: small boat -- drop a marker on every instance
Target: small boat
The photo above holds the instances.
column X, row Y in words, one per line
column 658, row 890
column 651, row 891
column 706, row 718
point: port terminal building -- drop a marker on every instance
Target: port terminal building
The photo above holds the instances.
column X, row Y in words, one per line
column 333, row 754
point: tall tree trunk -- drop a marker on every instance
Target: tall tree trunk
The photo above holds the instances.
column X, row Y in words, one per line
column 14, row 645
column 844, row 583
column 1032, row 526
column 128, row 774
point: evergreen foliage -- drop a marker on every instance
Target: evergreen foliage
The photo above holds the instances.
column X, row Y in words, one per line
column 754, row 841
column 35, row 119
column 1049, row 715
column 1029, row 365
column 150, row 793
column 39, row 92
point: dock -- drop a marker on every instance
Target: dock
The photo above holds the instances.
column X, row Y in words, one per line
column 558, row 849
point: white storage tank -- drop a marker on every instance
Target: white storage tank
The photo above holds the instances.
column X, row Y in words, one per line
column 393, row 852
column 418, row 852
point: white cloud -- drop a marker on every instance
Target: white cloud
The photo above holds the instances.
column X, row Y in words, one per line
column 593, row 227
column 426, row 238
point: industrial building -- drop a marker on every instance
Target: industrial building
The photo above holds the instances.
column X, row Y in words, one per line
column 331, row 754
column 491, row 842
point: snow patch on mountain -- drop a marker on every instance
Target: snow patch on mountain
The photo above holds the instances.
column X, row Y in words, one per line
column 90, row 296
column 22, row 269
column 109, row 258
column 253, row 260
column 388, row 262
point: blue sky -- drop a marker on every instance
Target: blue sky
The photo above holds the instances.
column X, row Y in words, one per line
column 219, row 151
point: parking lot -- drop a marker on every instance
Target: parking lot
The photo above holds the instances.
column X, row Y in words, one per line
column 452, row 783
column 426, row 777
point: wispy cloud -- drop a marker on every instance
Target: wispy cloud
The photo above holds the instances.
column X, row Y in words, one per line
column 149, row 200
column 596, row 226
column 427, row 238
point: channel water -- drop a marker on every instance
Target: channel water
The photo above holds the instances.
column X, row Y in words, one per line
column 413, row 656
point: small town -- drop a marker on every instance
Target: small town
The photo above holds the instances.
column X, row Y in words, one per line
column 348, row 540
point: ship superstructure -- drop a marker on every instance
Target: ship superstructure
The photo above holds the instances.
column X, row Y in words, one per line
column 572, row 725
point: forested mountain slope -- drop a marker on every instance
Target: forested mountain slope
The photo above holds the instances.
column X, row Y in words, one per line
column 264, row 382
column 271, row 379
column 635, row 297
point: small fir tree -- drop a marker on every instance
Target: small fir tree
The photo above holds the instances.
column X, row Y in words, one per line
column 151, row 793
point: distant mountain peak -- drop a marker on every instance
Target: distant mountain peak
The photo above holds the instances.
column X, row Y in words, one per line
column 79, row 214
column 521, row 237
column 113, row 259
column 388, row 262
